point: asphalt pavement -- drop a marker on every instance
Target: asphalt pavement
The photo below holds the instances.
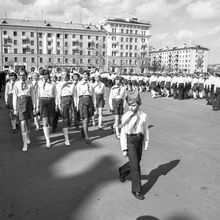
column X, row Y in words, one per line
column 180, row 172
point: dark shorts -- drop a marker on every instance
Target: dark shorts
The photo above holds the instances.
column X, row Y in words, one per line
column 195, row 87
column 47, row 107
column 168, row 85
column 67, row 109
column 100, row 101
column 86, row 107
column 201, row 87
column 25, row 108
column 118, row 108
column 10, row 101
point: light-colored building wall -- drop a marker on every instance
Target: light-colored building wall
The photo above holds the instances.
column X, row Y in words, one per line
column 127, row 44
column 39, row 44
column 187, row 58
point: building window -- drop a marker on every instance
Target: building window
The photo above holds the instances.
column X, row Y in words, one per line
column 135, row 47
column 32, row 34
column 131, row 31
column 41, row 60
column 126, row 47
column 49, row 60
column 96, row 62
column 58, row 44
column 49, row 51
column 73, row 36
column 23, row 33
column 66, row 52
column 122, row 39
column 121, row 54
column 40, row 35
column 97, row 46
column 40, row 43
column 81, row 61
column 49, row 35
column 15, row 33
column 126, row 39
column 74, row 60
column 15, row 42
column 32, row 42
column 130, row 47
column 32, row 60
column 66, row 44
column 122, row 31
column 131, row 39
column 96, row 53
column 5, row 50
column 15, row 59
column 24, row 59
column 66, row 36
column 89, row 53
column 81, row 52
column 127, row 31
column 89, row 37
column 130, row 61
column 130, row 54
column 66, row 60
column 15, row 51
column 126, row 54
column 97, row 38
column 103, row 46
column 103, row 38
column 121, row 47
column 58, row 52
column 24, row 51
column 40, row 52
column 6, row 59
column 32, row 51
column 103, row 54
column 58, row 60
column 89, row 60
column 81, row 37
column 5, row 33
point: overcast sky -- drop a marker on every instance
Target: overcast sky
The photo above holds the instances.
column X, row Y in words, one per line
column 174, row 22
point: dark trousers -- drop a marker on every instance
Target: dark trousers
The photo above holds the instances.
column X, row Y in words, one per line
column 131, row 170
column 181, row 91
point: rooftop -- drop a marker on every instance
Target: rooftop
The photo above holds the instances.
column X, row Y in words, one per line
column 128, row 20
column 183, row 47
column 48, row 24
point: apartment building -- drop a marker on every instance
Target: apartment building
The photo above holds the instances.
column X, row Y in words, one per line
column 36, row 44
column 127, row 44
column 187, row 58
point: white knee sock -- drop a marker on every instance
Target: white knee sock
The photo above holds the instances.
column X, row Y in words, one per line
column 24, row 138
column 47, row 135
column 66, row 136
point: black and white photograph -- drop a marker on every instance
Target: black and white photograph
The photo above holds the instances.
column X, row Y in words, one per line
column 109, row 110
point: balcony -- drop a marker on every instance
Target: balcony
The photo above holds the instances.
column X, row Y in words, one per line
column 49, row 39
column 6, row 37
column 90, row 41
column 24, row 46
column 24, row 37
column 49, row 47
column 75, row 48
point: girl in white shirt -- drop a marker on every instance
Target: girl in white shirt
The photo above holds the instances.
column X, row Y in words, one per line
column 46, row 101
column 66, row 104
column 85, row 105
column 23, row 103
column 9, row 88
column 117, row 103
column 99, row 99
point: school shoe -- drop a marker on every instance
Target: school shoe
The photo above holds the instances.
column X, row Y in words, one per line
column 48, row 146
column 25, row 148
column 67, row 144
column 138, row 195
column 101, row 128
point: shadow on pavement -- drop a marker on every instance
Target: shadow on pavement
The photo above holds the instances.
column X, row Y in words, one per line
column 147, row 217
column 156, row 173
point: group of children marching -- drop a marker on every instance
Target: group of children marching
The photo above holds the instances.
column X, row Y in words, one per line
column 45, row 98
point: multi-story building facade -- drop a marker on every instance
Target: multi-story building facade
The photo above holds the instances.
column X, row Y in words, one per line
column 186, row 58
column 127, row 44
column 36, row 44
